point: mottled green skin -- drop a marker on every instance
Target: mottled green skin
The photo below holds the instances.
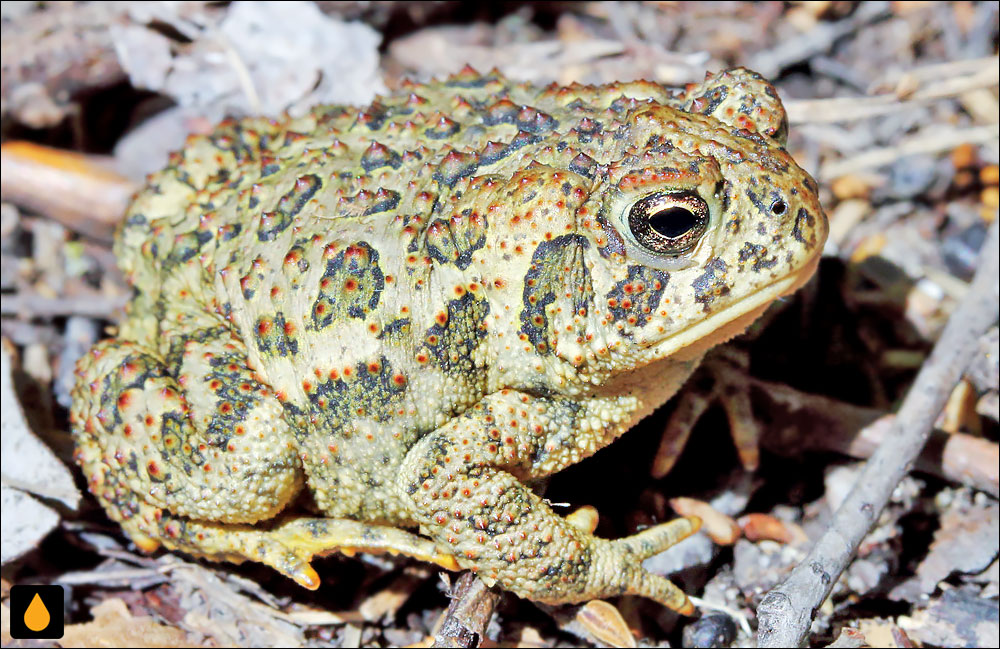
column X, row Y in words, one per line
column 409, row 309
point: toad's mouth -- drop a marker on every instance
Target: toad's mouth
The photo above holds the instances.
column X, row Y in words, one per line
column 732, row 320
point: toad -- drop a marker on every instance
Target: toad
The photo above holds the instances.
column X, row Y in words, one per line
column 396, row 317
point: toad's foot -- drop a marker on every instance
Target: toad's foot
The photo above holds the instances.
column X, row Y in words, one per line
column 291, row 544
column 463, row 482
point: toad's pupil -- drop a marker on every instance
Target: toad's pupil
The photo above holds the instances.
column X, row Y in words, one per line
column 673, row 222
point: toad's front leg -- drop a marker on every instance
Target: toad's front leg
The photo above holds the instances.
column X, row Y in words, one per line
column 464, row 484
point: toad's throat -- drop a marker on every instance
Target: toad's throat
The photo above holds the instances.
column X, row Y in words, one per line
column 733, row 320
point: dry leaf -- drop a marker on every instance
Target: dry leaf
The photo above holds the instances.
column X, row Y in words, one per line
column 114, row 626
column 958, row 618
column 881, row 633
column 604, row 622
column 28, row 467
column 759, row 527
column 306, row 58
column 849, row 639
column 386, row 601
column 721, row 528
column 967, row 542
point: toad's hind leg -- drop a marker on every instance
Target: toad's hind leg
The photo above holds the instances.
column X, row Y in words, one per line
column 464, row 484
column 187, row 459
column 290, row 544
column 192, row 437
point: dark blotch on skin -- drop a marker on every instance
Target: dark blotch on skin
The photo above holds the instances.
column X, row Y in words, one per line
column 633, row 299
column 804, row 217
column 758, row 254
column 548, row 280
column 367, row 393
column 186, row 246
column 709, row 101
column 378, row 156
column 452, row 345
column 614, row 243
column 389, row 202
column 584, row 165
column 140, row 368
column 274, row 223
column 273, row 336
column 711, row 284
column 350, row 287
column 235, row 389
column 454, row 166
column 455, row 240
column 757, row 201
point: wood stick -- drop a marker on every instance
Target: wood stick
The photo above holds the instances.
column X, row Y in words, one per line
column 80, row 191
column 785, row 614
column 91, row 305
column 932, row 140
column 845, row 109
column 814, row 422
column 468, row 615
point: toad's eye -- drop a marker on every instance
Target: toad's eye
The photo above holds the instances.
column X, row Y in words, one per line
column 669, row 223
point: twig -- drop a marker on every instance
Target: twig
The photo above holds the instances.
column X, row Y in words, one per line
column 785, row 614
column 817, row 40
column 938, row 71
column 112, row 577
column 39, row 306
column 468, row 615
column 932, row 140
column 844, row 109
column 814, row 422
column 80, row 191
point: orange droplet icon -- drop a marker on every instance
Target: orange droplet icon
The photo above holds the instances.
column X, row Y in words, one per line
column 36, row 617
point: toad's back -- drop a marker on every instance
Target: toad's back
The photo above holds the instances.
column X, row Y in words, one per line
column 355, row 259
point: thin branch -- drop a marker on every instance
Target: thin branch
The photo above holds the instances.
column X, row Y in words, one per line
column 468, row 615
column 33, row 305
column 814, row 422
column 846, row 109
column 785, row 614
column 80, row 191
column 931, row 140
column 817, row 40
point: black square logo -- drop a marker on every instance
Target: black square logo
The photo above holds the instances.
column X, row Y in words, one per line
column 36, row 612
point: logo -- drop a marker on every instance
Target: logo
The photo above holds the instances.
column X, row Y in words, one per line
column 36, row 612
